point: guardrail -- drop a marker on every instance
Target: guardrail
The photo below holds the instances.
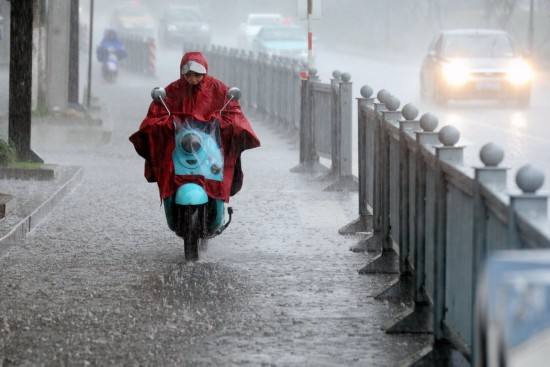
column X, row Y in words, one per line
column 320, row 112
column 433, row 220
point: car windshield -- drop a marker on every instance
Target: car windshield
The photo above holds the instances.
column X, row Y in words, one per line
column 477, row 46
column 184, row 15
column 265, row 20
column 282, row 34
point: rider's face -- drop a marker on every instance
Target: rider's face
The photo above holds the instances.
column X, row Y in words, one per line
column 193, row 78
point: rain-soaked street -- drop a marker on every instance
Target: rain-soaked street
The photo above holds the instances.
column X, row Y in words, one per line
column 103, row 281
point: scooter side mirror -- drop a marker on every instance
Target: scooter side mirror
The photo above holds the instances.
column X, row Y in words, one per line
column 234, row 93
column 158, row 94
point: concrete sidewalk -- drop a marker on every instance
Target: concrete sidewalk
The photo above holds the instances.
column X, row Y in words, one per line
column 102, row 281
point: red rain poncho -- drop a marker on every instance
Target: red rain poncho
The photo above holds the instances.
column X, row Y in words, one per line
column 154, row 141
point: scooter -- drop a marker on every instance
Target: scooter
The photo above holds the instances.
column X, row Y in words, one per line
column 190, row 212
column 109, row 69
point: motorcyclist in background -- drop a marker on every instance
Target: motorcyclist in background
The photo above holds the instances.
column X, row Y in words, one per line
column 110, row 41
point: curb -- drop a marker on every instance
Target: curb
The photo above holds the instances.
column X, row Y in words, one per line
column 21, row 229
column 46, row 172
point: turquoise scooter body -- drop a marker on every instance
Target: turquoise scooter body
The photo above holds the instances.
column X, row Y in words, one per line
column 198, row 152
column 190, row 212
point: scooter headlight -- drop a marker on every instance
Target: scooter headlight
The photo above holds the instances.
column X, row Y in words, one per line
column 191, row 143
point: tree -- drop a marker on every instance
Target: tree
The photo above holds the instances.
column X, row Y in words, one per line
column 20, row 104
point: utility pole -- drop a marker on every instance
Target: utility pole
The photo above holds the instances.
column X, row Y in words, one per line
column 73, row 53
column 309, row 35
column 20, row 92
column 90, row 48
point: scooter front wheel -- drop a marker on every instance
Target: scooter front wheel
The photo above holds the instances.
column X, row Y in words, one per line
column 191, row 234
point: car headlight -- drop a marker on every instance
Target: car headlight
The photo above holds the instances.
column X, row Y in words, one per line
column 172, row 28
column 456, row 72
column 519, row 72
column 205, row 28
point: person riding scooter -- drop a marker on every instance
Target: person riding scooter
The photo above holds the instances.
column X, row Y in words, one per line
column 109, row 52
column 203, row 98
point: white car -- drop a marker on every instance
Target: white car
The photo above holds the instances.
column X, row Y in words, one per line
column 474, row 64
column 282, row 40
column 249, row 29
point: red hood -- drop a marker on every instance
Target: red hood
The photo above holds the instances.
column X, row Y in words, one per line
column 155, row 139
column 194, row 56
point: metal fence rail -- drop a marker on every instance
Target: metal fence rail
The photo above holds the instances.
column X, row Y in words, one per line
column 435, row 220
column 319, row 113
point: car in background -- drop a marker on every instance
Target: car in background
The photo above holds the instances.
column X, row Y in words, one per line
column 286, row 41
column 184, row 24
column 254, row 22
column 475, row 64
column 132, row 19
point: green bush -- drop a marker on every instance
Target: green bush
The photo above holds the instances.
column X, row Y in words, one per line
column 7, row 153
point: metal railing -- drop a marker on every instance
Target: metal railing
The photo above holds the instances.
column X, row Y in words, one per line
column 435, row 220
column 319, row 113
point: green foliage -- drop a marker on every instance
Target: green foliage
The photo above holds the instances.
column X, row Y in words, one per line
column 7, row 153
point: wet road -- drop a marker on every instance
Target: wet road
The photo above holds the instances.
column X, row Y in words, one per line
column 103, row 280
column 523, row 133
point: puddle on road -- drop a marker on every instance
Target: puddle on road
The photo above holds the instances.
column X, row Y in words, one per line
column 201, row 284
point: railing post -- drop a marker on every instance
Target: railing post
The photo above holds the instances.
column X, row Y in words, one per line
column 420, row 319
column 335, row 123
column 372, row 242
column 309, row 159
column 342, row 144
column 388, row 261
column 296, row 85
column 402, row 289
column 449, row 136
column 406, row 127
column 364, row 222
column 443, row 349
column 488, row 177
column 529, row 205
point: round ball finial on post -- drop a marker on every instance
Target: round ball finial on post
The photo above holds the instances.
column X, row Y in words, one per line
column 382, row 95
column 346, row 77
column 410, row 112
column 529, row 179
column 449, row 135
column 392, row 102
column 491, row 155
column 366, row 91
column 428, row 122
column 337, row 74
